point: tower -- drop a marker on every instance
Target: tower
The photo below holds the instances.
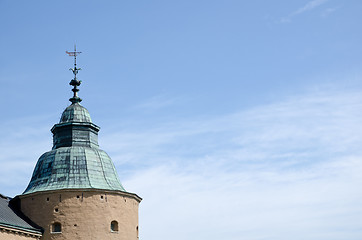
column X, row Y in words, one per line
column 74, row 192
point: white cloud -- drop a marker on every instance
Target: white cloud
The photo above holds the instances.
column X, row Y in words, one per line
column 157, row 102
column 328, row 11
column 264, row 203
column 22, row 142
column 286, row 170
column 307, row 7
column 301, row 126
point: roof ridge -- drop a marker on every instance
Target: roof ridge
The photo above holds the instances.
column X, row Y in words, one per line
column 5, row 197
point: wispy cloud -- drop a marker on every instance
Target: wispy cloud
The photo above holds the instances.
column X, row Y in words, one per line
column 262, row 203
column 157, row 102
column 287, row 169
column 307, row 7
column 328, row 12
column 297, row 124
column 23, row 141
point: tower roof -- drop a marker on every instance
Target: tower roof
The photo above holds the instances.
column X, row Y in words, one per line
column 74, row 168
column 75, row 113
column 75, row 162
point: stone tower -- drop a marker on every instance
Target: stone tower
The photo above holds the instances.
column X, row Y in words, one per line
column 74, row 192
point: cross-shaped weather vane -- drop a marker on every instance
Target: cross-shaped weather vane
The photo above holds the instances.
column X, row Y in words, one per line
column 75, row 82
column 74, row 54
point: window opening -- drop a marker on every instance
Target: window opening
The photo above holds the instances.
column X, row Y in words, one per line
column 114, row 226
column 56, row 228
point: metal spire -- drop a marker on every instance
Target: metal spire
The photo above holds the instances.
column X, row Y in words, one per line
column 75, row 82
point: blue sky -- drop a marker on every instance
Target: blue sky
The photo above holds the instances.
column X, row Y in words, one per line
column 232, row 119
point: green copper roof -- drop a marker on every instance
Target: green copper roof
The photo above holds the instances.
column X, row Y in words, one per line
column 76, row 162
column 75, row 113
column 74, row 168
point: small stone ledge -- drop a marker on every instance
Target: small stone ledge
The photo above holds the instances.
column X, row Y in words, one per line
column 120, row 193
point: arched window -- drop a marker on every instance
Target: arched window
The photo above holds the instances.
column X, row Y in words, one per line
column 114, row 226
column 56, row 228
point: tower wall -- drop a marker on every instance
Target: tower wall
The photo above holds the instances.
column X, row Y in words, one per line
column 83, row 215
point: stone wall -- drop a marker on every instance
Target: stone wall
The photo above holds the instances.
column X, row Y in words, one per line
column 83, row 214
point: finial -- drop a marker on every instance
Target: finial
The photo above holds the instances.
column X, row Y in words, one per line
column 75, row 82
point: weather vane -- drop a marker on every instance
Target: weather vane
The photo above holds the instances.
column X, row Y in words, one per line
column 74, row 54
column 75, row 82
